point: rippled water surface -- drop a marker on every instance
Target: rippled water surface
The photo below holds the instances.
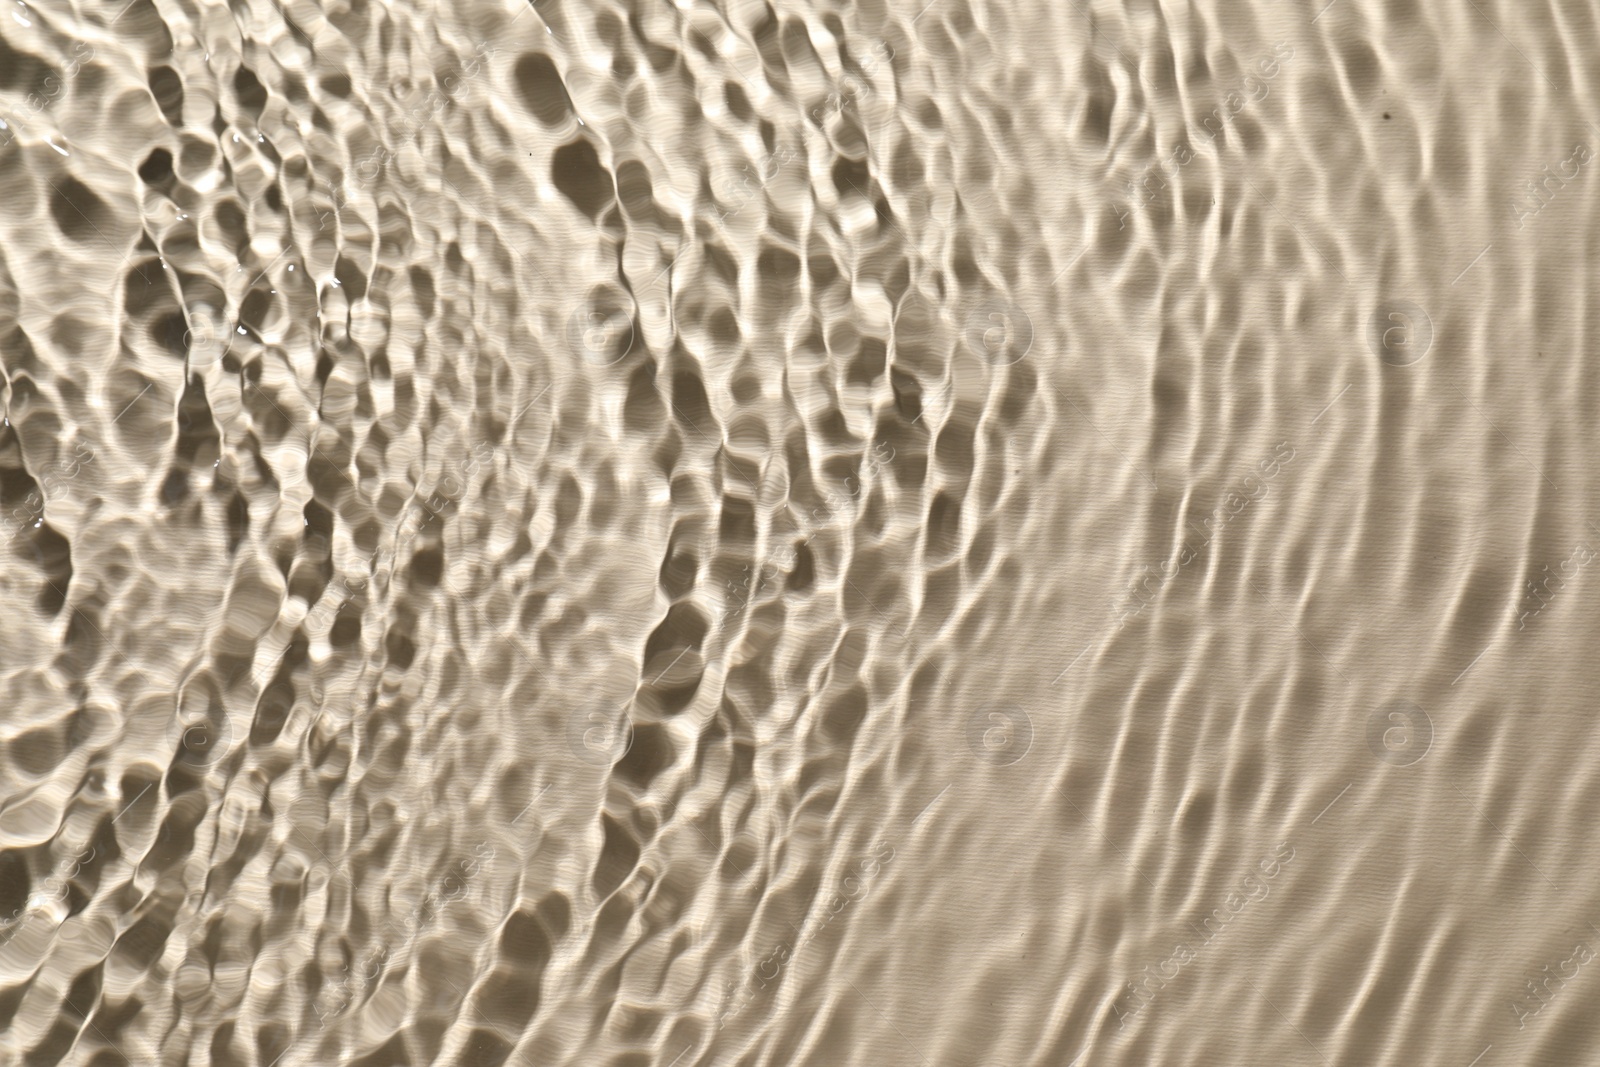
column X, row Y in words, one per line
column 667, row 533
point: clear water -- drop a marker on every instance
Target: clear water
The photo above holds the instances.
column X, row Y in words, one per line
column 740, row 533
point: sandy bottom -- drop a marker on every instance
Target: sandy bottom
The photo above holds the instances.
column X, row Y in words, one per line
column 671, row 534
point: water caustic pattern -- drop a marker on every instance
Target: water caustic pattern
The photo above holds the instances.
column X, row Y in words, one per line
column 769, row 533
